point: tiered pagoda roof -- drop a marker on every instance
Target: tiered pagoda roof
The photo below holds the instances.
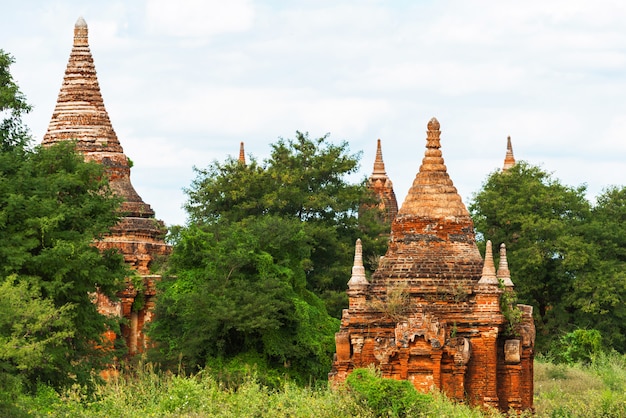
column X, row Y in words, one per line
column 432, row 235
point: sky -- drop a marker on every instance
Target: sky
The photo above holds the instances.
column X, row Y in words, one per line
column 184, row 82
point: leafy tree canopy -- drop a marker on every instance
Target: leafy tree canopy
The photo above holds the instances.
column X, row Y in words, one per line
column 12, row 107
column 303, row 179
column 263, row 244
column 564, row 253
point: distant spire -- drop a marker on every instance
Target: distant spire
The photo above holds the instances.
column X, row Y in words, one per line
column 503, row 269
column 382, row 186
column 509, row 159
column 489, row 270
column 242, row 154
column 379, row 165
column 358, row 279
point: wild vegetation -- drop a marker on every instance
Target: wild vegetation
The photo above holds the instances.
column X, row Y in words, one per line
column 261, row 267
column 595, row 389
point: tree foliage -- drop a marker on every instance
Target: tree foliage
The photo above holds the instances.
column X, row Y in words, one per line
column 303, row 179
column 263, row 244
column 13, row 106
column 52, row 207
column 564, row 253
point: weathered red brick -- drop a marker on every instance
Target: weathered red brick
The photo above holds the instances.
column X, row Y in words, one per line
column 431, row 313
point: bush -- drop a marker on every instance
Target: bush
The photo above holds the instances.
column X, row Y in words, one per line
column 387, row 397
column 579, row 346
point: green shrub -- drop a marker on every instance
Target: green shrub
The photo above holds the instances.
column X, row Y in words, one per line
column 387, row 397
column 579, row 346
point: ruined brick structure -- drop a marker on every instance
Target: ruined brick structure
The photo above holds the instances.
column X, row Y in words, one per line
column 382, row 186
column 432, row 313
column 80, row 116
column 509, row 159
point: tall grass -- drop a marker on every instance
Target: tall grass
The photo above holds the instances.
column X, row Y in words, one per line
column 597, row 389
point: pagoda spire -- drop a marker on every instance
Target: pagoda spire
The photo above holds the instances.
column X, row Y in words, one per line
column 509, row 159
column 379, row 164
column 242, row 154
column 380, row 183
column 80, row 116
column 432, row 236
column 433, row 192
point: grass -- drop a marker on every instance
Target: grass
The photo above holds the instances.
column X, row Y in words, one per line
column 594, row 390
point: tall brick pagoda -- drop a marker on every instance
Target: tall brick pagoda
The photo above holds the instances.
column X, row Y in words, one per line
column 434, row 312
column 80, row 116
column 509, row 159
column 380, row 183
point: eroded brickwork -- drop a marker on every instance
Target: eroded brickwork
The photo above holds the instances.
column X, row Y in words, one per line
column 432, row 311
column 80, row 116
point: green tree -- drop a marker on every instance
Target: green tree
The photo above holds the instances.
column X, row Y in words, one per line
column 303, row 179
column 31, row 329
column 52, row 207
column 12, row 107
column 263, row 244
column 543, row 224
column 240, row 288
column 600, row 296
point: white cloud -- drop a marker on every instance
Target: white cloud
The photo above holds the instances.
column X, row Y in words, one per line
column 198, row 18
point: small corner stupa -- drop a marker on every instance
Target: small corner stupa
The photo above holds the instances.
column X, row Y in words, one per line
column 380, row 183
column 80, row 116
column 432, row 311
column 509, row 159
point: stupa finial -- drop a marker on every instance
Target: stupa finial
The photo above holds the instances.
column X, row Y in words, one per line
column 433, row 134
column 358, row 279
column 503, row 268
column 489, row 270
column 81, row 33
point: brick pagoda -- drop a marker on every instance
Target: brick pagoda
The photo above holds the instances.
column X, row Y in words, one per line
column 432, row 312
column 80, row 116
